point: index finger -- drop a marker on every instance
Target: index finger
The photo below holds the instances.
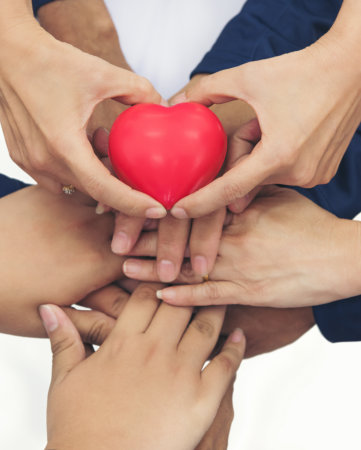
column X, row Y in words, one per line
column 220, row 87
column 252, row 171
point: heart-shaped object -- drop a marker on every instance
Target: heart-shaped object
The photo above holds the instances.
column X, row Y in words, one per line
column 167, row 152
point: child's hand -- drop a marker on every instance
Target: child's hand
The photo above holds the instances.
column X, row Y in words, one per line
column 147, row 389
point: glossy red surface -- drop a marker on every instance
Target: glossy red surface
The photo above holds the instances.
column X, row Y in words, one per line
column 168, row 153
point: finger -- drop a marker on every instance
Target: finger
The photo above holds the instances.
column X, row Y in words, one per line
column 93, row 326
column 220, row 87
column 220, row 372
column 202, row 335
column 126, row 233
column 138, row 312
column 66, row 345
column 169, row 324
column 100, row 142
column 146, row 245
column 97, row 181
column 127, row 87
column 204, row 294
column 109, row 300
column 172, row 241
column 236, row 183
column 241, row 204
column 146, row 270
column 204, row 241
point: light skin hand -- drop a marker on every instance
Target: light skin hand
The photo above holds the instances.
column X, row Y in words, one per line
column 313, row 96
column 137, row 374
column 53, row 147
column 55, row 247
column 283, row 251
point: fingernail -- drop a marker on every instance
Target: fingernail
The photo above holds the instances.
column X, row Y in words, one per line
column 49, row 318
column 155, row 213
column 200, row 265
column 179, row 213
column 132, row 268
column 166, row 271
column 100, row 209
column 106, row 130
column 167, row 295
column 236, row 336
column 180, row 98
column 120, row 243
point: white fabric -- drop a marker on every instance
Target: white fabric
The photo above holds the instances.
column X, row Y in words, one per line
column 304, row 397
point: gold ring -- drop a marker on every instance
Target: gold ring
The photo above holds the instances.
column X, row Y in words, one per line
column 68, row 189
column 205, row 278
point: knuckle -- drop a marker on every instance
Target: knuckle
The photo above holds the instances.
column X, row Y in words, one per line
column 39, row 161
column 144, row 86
column 211, row 291
column 97, row 332
column 145, row 292
column 204, row 326
column 229, row 359
column 62, row 345
column 231, row 192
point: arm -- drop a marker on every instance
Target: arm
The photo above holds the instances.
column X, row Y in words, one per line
column 45, row 124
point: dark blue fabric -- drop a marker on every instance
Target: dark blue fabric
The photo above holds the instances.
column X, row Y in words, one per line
column 37, row 4
column 9, row 185
column 267, row 28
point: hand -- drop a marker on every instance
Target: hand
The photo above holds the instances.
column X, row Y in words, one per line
column 54, row 247
column 203, row 234
column 267, row 329
column 217, row 436
column 283, row 251
column 45, row 126
column 308, row 105
column 147, row 389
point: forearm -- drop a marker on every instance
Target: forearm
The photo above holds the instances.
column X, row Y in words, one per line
column 85, row 25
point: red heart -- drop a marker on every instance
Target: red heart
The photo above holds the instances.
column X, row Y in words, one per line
column 167, row 153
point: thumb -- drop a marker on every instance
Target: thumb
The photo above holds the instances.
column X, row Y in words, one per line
column 66, row 345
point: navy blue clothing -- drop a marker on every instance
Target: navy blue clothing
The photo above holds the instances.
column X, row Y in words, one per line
column 9, row 185
column 38, row 4
column 267, row 28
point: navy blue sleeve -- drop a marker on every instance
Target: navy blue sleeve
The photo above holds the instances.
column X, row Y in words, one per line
column 9, row 185
column 37, row 4
column 267, row 28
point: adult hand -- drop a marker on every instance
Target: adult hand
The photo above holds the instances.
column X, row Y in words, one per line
column 308, row 106
column 147, row 389
column 268, row 329
column 203, row 234
column 55, row 247
column 45, row 125
column 283, row 251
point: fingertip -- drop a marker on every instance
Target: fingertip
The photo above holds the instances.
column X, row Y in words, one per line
column 237, row 336
column 49, row 318
column 180, row 98
column 179, row 213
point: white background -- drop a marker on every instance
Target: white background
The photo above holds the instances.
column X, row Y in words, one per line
column 303, row 397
